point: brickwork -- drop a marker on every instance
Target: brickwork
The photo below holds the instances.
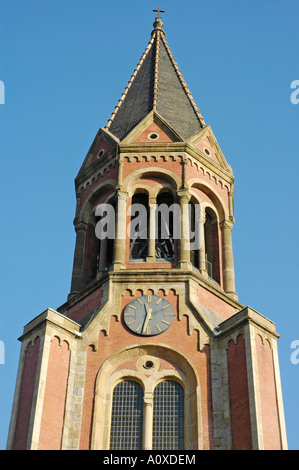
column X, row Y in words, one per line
column 177, row 337
column 87, row 189
column 205, row 144
column 101, row 149
column 153, row 128
column 26, row 396
column 86, row 305
column 215, row 303
column 199, row 175
column 239, row 396
column 268, row 396
column 162, row 163
column 54, row 398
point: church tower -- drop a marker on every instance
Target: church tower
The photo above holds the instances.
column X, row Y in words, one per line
column 152, row 349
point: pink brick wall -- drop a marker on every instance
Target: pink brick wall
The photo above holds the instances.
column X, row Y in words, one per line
column 26, row 396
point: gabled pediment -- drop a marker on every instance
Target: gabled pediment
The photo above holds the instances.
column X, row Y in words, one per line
column 206, row 142
column 103, row 143
column 153, row 128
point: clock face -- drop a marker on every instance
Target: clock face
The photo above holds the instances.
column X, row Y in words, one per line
column 148, row 315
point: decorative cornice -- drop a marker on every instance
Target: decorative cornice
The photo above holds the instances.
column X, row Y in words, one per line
column 246, row 316
column 95, row 171
column 54, row 318
column 152, row 149
column 150, row 275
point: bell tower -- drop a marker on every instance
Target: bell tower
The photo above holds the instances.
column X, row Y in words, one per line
column 152, row 349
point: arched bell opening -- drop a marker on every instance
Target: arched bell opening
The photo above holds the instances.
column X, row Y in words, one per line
column 139, row 227
column 100, row 238
column 165, row 220
column 107, row 222
column 212, row 251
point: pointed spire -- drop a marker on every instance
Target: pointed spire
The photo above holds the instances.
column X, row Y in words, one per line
column 156, row 85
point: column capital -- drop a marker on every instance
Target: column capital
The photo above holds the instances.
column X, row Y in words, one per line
column 183, row 194
column 80, row 225
column 121, row 193
column 184, row 175
column 152, row 201
column 148, row 401
column 226, row 224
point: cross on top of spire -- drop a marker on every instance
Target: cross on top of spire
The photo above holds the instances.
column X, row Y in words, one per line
column 158, row 23
column 159, row 11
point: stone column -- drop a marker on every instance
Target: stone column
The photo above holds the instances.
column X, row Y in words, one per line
column 151, row 255
column 184, row 247
column 120, row 170
column 202, row 243
column 184, row 173
column 228, row 261
column 78, row 267
column 148, row 422
column 121, row 231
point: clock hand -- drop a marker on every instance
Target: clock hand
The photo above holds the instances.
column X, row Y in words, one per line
column 147, row 318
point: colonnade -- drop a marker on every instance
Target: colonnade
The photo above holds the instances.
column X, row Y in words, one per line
column 183, row 197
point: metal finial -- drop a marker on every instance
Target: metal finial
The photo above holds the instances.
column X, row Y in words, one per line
column 159, row 11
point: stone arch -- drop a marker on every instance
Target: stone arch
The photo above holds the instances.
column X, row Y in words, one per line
column 31, row 342
column 88, row 207
column 220, row 206
column 139, row 189
column 165, row 188
column 151, row 172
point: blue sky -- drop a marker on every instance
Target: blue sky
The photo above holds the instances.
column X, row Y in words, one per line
column 65, row 64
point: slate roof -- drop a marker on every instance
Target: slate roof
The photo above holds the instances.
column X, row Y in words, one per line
column 156, row 85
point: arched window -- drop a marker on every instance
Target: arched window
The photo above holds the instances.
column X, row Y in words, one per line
column 168, row 419
column 127, row 416
column 139, row 227
column 164, row 226
column 212, row 245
